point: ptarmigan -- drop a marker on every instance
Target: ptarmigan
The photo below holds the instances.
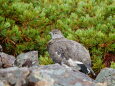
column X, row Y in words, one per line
column 69, row 52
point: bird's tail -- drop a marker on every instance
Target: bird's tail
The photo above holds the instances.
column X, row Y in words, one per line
column 91, row 71
column 83, row 67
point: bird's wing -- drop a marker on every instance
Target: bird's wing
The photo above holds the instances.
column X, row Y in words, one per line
column 76, row 51
column 82, row 54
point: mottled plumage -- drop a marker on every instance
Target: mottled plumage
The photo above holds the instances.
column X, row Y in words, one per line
column 63, row 50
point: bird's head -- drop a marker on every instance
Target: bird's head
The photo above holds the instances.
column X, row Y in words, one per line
column 56, row 34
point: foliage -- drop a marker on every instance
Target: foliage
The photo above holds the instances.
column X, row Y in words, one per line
column 25, row 24
column 112, row 65
column 45, row 60
column 97, row 63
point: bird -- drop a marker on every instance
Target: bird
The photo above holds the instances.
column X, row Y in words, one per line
column 69, row 52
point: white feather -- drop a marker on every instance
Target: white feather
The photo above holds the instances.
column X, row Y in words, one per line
column 73, row 63
column 88, row 71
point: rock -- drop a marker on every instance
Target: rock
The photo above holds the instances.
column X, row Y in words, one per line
column 49, row 75
column 38, row 79
column 6, row 60
column 27, row 59
column 56, row 75
column 106, row 75
column 14, row 76
column 2, row 83
column 1, row 48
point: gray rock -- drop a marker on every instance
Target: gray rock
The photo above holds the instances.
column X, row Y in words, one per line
column 6, row 60
column 27, row 59
column 1, row 48
column 14, row 76
column 106, row 75
column 50, row 75
column 3, row 83
column 56, row 75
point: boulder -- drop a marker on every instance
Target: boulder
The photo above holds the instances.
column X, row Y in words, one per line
column 56, row 75
column 3, row 83
column 14, row 76
column 27, row 59
column 106, row 75
column 49, row 75
column 6, row 60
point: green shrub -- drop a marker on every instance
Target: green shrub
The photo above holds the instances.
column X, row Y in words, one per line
column 45, row 60
column 112, row 65
column 25, row 24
